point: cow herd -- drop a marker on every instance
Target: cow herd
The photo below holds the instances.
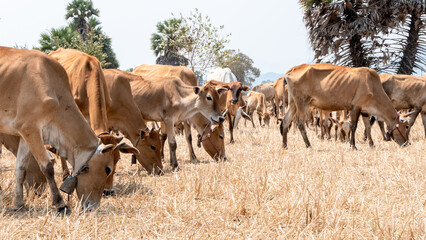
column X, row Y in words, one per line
column 64, row 104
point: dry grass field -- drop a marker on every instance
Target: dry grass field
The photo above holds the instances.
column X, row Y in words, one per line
column 262, row 192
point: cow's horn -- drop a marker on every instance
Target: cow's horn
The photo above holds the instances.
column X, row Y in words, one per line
column 224, row 113
column 69, row 184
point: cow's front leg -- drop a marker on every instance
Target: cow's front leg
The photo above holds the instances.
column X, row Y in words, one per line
column 172, row 144
column 188, row 137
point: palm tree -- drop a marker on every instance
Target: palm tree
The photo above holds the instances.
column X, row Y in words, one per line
column 80, row 11
column 374, row 33
column 167, row 42
column 413, row 42
column 56, row 38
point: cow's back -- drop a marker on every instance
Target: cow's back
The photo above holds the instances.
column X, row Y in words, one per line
column 87, row 85
column 155, row 71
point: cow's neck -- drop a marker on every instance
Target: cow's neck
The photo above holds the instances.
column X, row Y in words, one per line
column 189, row 106
column 388, row 113
column 72, row 136
column 130, row 127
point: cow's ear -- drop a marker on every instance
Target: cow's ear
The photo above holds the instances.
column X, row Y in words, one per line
column 221, row 90
column 126, row 148
column 105, row 148
column 246, row 88
column 197, row 90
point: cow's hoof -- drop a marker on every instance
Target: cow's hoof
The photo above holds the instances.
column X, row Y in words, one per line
column 109, row 192
column 354, row 148
column 20, row 208
column 64, row 210
column 176, row 169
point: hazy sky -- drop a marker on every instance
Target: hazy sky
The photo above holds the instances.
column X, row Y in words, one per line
column 271, row 32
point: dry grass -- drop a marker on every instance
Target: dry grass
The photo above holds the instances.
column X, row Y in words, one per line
column 262, row 192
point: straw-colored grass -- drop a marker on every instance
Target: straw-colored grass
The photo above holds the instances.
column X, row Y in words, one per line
column 262, row 192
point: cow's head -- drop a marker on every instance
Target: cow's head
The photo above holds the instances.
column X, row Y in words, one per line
column 266, row 118
column 236, row 88
column 149, row 146
column 208, row 102
column 213, row 142
column 90, row 176
column 398, row 132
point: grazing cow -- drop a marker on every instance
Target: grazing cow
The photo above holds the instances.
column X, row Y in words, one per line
column 256, row 102
column 232, row 102
column 280, row 96
column 407, row 92
column 172, row 101
column 267, row 89
column 124, row 116
column 87, row 85
column 211, row 136
column 334, row 88
column 221, row 74
column 189, row 78
column 38, row 106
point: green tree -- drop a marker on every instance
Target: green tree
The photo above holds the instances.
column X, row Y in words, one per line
column 241, row 65
column 203, row 44
column 168, row 41
column 83, row 33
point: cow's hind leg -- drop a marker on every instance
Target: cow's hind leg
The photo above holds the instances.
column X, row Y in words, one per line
column 22, row 158
column 188, row 137
column 354, row 123
column 34, row 143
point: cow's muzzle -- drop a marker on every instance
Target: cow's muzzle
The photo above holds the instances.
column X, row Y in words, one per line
column 69, row 184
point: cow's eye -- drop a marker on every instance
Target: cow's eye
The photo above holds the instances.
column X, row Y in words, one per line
column 407, row 127
column 153, row 147
column 221, row 137
column 209, row 98
column 108, row 170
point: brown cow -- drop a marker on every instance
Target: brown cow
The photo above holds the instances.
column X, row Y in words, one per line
column 256, row 102
column 334, row 88
column 38, row 106
column 124, row 116
column 172, row 101
column 87, row 85
column 189, row 78
column 407, row 92
column 231, row 102
column 267, row 89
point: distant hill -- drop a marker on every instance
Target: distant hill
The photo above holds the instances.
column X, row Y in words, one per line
column 267, row 77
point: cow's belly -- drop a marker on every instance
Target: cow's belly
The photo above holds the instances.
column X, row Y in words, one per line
column 328, row 105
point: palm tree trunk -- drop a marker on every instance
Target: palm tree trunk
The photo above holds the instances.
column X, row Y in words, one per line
column 359, row 58
column 408, row 59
